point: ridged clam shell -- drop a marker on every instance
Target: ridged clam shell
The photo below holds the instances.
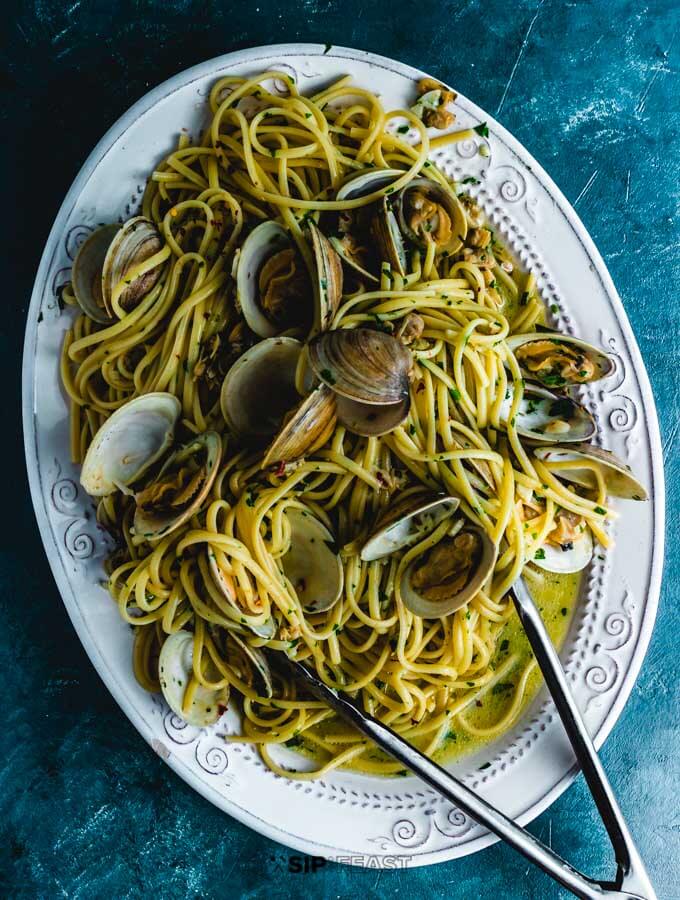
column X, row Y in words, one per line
column 364, row 365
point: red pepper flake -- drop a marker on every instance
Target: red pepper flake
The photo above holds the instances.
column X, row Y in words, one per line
column 381, row 478
column 421, row 387
column 280, row 469
column 221, row 708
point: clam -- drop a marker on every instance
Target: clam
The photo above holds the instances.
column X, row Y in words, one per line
column 406, row 521
column 225, row 584
column 272, row 283
column 449, row 574
column 388, row 237
column 559, row 360
column 259, row 389
column 175, row 671
column 312, row 564
column 547, row 417
column 568, row 548
column 273, row 287
column 257, row 663
column 360, row 364
column 106, row 259
column 575, row 464
column 179, row 489
column 131, row 440
column 306, row 428
column 86, row 274
column 368, row 371
column 134, row 243
column 368, row 183
column 429, row 213
column 353, row 241
column 328, row 281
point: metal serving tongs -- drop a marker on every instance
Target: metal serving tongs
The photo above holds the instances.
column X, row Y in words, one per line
column 631, row 882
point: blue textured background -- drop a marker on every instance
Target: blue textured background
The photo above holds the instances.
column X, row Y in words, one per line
column 86, row 808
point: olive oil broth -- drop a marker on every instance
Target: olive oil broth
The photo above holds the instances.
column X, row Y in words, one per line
column 556, row 597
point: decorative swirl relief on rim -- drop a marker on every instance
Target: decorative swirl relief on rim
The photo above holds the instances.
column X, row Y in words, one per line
column 210, row 751
column 620, row 409
column 448, row 823
column 619, row 629
column 66, row 500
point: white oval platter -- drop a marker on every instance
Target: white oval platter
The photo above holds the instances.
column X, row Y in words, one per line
column 350, row 817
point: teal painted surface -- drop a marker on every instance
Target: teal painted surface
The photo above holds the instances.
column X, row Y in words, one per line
column 86, row 808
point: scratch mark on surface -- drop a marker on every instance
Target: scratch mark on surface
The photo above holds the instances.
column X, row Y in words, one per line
column 587, row 187
column 22, row 32
column 670, row 440
column 661, row 66
column 73, row 7
column 61, row 33
column 519, row 56
column 627, row 185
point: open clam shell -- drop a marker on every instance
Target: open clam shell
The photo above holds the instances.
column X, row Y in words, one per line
column 576, row 465
column 262, row 244
column 360, row 186
column 429, row 212
column 549, row 418
column 328, row 281
column 175, row 670
column 86, row 274
column 259, row 389
column 367, row 183
column 369, row 366
column 273, row 288
column 388, row 237
column 406, row 521
column 312, row 563
column 225, row 584
column 557, row 360
column 449, row 574
column 131, row 440
column 132, row 245
column 308, row 427
column 567, row 559
column 179, row 489
column 257, row 662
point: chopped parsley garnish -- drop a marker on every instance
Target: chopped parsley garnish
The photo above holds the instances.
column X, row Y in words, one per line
column 327, row 376
column 524, row 299
column 600, row 511
column 554, row 380
column 455, row 394
column 504, row 645
column 540, row 553
column 502, row 687
column 470, row 180
column 482, row 129
column 403, row 129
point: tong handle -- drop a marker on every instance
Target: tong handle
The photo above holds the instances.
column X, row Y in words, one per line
column 631, row 873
